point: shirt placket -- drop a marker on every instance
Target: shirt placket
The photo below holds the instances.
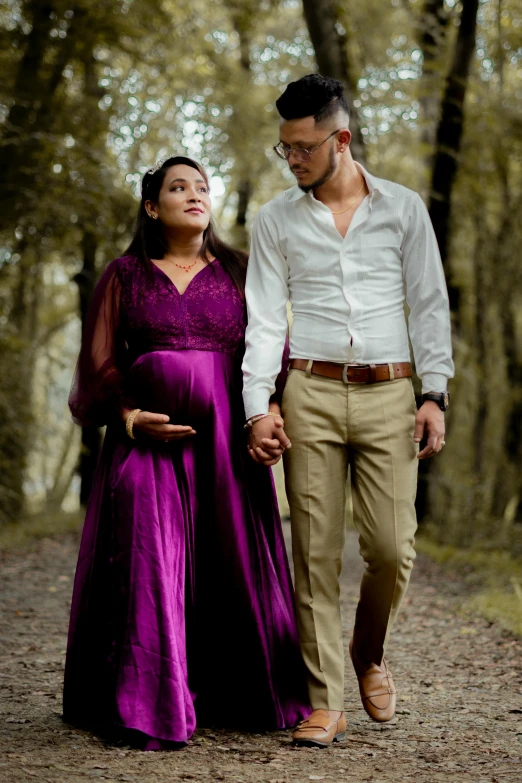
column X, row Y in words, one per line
column 342, row 278
column 349, row 270
column 353, row 274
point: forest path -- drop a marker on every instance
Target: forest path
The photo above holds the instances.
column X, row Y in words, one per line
column 459, row 709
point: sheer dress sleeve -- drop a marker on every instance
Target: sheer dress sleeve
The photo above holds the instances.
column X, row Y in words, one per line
column 97, row 390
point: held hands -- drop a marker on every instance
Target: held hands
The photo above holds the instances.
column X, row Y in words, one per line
column 157, row 427
column 429, row 427
column 268, row 440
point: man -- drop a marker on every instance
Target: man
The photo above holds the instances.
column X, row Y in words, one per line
column 346, row 249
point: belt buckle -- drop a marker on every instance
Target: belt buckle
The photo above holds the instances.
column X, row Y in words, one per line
column 345, row 372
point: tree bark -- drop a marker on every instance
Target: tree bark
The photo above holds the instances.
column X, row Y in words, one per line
column 242, row 21
column 449, row 134
column 17, row 363
column 445, row 167
column 330, row 42
column 91, row 436
column 433, row 26
column 64, row 474
column 31, row 116
column 243, row 192
column 509, row 293
column 28, row 90
column 28, row 77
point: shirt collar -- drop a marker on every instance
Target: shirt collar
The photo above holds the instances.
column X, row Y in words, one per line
column 374, row 184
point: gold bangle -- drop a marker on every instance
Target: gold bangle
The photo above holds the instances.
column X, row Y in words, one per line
column 253, row 420
column 260, row 416
column 129, row 424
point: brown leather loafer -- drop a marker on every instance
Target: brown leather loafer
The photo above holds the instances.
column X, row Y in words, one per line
column 377, row 689
column 319, row 730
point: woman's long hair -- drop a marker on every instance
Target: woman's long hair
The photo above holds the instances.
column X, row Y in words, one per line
column 149, row 240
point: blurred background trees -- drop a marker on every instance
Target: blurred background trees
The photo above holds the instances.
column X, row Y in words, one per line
column 93, row 94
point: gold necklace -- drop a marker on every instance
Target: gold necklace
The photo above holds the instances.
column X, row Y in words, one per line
column 352, row 202
column 187, row 267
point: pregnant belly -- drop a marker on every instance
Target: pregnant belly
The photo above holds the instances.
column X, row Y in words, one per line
column 189, row 386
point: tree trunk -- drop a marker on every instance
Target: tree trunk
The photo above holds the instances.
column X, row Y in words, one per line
column 433, row 26
column 445, row 168
column 28, row 90
column 244, row 191
column 63, row 475
column 31, row 117
column 449, row 133
column 242, row 21
column 28, row 77
column 91, row 436
column 509, row 482
column 16, row 371
column 330, row 42
column 15, row 426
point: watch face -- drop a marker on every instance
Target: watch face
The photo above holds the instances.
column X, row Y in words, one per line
column 446, row 400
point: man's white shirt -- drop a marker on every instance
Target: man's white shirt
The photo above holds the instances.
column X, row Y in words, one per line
column 347, row 295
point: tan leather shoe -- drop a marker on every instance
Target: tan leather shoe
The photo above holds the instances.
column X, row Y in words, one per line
column 377, row 689
column 319, row 730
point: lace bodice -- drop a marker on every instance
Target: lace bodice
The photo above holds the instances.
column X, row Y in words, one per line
column 208, row 316
column 132, row 315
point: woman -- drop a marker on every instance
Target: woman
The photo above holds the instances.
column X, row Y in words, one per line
column 182, row 602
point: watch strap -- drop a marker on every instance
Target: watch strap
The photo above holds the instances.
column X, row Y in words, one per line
column 441, row 398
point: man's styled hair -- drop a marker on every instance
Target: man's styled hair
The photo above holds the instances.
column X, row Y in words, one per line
column 320, row 96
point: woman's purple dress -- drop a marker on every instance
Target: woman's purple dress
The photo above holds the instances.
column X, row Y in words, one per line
column 182, row 606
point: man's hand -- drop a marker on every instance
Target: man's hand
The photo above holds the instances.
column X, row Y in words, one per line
column 429, row 425
column 268, row 440
column 157, row 427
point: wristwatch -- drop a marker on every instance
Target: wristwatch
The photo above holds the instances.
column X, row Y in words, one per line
column 441, row 398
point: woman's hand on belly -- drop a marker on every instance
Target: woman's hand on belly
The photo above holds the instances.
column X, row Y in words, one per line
column 157, row 427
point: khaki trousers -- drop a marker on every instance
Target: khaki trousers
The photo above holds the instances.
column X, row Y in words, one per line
column 333, row 425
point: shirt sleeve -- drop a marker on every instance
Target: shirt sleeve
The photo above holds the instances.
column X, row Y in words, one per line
column 280, row 381
column 266, row 297
column 427, row 297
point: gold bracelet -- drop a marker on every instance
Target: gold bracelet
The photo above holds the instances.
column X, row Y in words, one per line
column 260, row 416
column 129, row 424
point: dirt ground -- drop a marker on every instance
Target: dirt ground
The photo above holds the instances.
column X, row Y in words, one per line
column 459, row 714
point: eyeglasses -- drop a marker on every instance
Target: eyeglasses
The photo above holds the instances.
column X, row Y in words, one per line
column 302, row 155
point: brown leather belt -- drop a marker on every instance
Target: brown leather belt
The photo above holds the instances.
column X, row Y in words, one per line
column 358, row 373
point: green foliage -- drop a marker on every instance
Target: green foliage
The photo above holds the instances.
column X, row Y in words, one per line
column 94, row 93
column 477, row 488
column 28, row 529
column 495, row 577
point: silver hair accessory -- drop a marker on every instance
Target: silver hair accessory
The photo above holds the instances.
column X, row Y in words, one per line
column 156, row 166
column 150, row 172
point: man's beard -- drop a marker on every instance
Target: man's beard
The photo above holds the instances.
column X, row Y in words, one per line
column 324, row 177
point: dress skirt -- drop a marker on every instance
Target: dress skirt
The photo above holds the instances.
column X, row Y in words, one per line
column 183, row 605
